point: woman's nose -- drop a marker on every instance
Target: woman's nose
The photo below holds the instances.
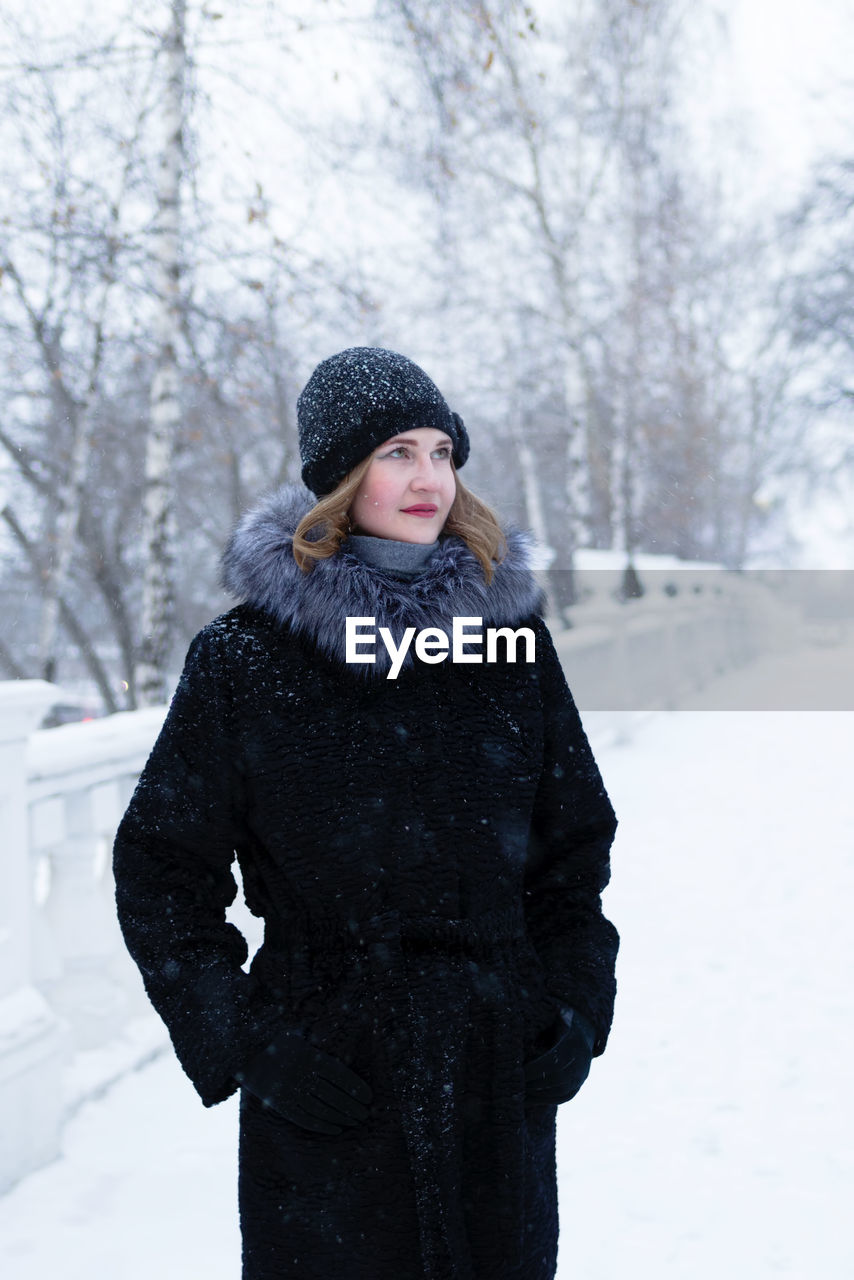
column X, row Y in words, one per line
column 423, row 478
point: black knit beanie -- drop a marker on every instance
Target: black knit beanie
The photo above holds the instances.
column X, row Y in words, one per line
column 357, row 399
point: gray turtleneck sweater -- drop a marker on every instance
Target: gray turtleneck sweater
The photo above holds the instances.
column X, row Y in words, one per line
column 403, row 559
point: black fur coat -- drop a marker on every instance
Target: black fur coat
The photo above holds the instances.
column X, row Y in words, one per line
column 428, row 854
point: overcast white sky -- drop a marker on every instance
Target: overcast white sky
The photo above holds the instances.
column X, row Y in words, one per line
column 788, row 66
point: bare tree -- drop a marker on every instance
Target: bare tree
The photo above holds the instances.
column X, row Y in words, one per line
column 818, row 295
column 558, row 149
column 64, row 258
column 543, row 113
column 158, row 599
column 105, row 251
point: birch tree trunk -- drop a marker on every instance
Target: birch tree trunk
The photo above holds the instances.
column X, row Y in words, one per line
column 158, row 605
column 534, row 506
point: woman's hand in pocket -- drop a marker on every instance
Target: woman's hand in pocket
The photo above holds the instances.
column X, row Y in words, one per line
column 306, row 1085
column 556, row 1075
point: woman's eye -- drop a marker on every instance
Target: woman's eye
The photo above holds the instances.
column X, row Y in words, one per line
column 444, row 451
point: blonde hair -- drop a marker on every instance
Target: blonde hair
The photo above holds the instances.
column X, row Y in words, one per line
column 329, row 520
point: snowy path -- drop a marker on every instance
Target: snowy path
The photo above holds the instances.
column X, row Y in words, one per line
column 717, row 1137
column 714, row 1138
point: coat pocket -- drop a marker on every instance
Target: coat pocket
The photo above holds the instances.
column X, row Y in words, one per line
column 277, row 1152
column 540, row 1009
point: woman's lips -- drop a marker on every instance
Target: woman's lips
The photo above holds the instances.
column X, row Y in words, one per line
column 426, row 512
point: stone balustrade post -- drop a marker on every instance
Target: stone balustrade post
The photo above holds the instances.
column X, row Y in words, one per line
column 33, row 1044
column 83, row 928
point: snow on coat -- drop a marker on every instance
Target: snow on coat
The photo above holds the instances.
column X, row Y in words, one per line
column 428, row 855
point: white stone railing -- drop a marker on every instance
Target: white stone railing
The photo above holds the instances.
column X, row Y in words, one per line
column 80, row 778
column 68, row 988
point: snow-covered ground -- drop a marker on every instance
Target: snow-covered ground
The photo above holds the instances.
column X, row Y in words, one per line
column 714, row 1138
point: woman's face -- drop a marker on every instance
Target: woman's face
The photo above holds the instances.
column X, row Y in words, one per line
column 407, row 491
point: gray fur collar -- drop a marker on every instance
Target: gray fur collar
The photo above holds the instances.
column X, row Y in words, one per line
column 259, row 569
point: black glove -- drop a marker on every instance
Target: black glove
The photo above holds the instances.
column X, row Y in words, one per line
column 557, row 1075
column 306, row 1085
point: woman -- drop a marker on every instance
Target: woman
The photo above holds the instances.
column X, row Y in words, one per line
column 426, row 836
